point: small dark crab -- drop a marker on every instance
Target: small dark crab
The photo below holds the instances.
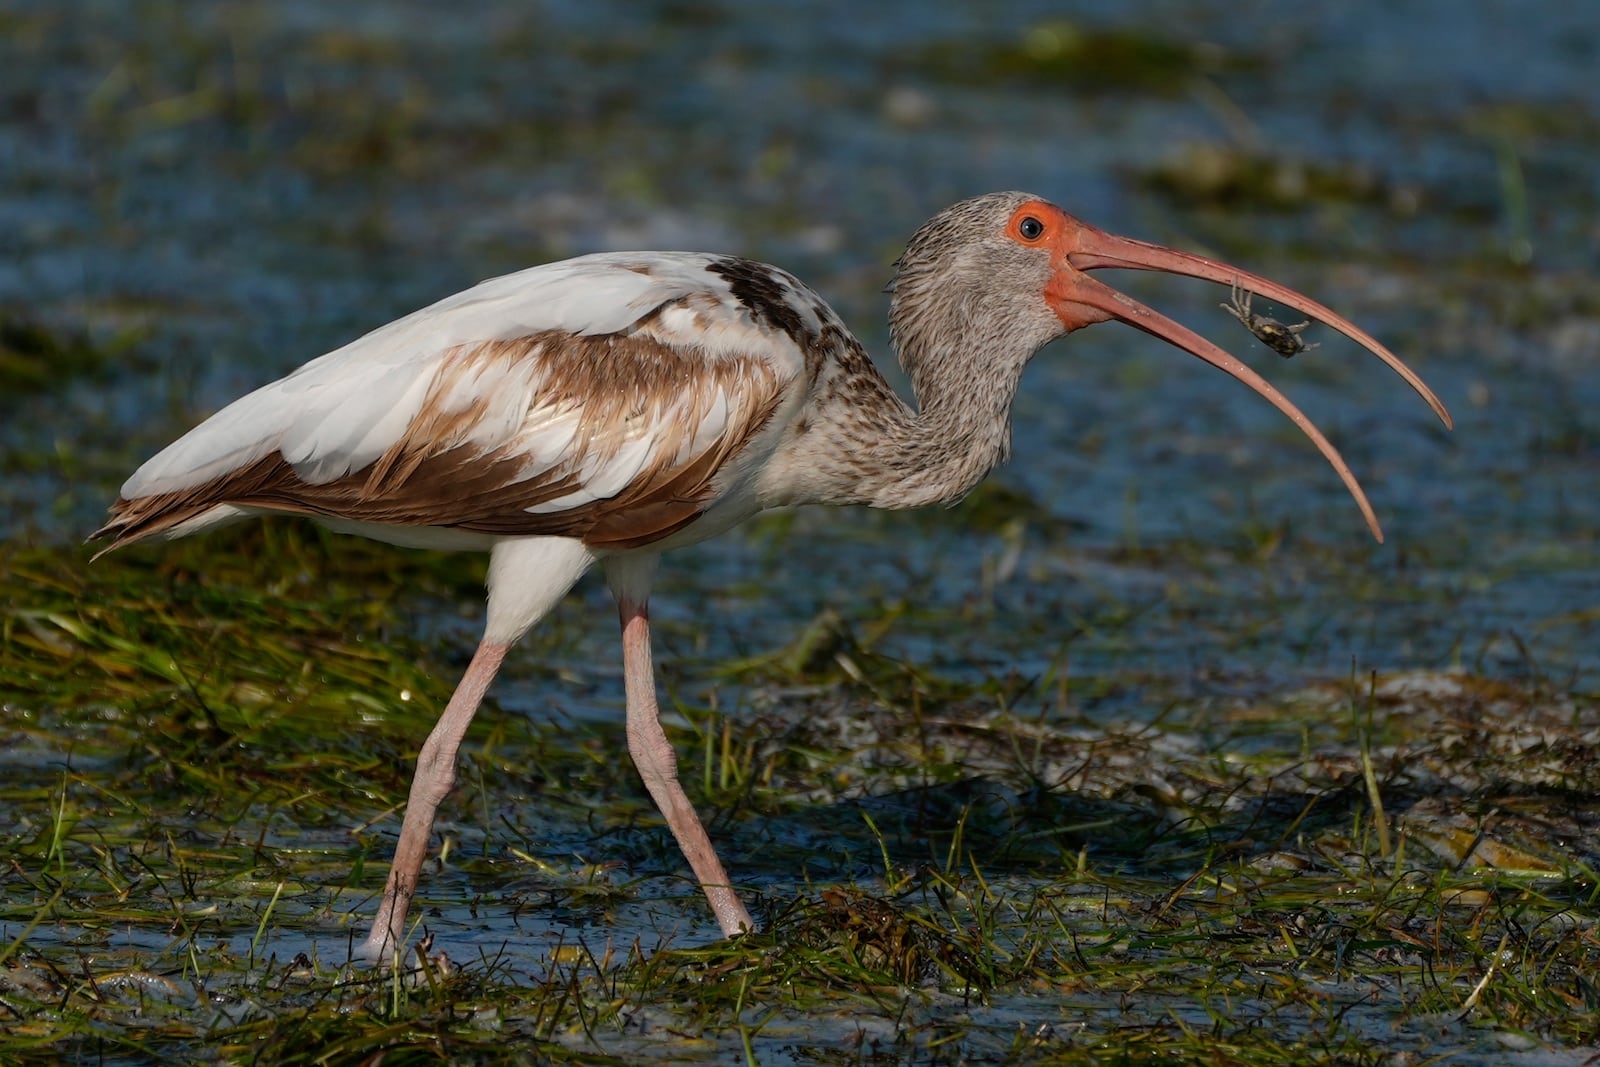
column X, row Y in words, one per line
column 1280, row 337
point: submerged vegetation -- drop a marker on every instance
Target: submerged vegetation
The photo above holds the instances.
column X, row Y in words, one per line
column 35, row 359
column 206, row 748
column 1061, row 53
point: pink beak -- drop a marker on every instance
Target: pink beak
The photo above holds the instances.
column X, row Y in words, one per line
column 1080, row 301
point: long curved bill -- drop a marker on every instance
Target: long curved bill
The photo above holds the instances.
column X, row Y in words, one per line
column 1080, row 300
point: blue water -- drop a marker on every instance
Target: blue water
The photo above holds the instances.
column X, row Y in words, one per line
column 238, row 188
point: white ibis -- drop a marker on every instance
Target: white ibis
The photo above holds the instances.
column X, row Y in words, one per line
column 610, row 407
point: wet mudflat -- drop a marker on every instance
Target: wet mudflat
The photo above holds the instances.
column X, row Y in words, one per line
column 1142, row 753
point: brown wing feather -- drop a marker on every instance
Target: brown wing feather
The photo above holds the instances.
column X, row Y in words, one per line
column 433, row 475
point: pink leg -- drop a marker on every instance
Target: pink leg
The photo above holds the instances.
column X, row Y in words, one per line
column 436, row 776
column 658, row 766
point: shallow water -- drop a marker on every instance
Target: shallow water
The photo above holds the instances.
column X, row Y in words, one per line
column 250, row 185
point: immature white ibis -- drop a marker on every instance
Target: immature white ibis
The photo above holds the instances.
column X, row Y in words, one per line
column 610, row 407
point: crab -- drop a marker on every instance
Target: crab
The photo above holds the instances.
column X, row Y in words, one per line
column 1280, row 337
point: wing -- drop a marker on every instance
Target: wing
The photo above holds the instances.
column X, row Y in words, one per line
column 606, row 398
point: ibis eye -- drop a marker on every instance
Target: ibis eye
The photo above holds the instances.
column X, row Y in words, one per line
column 1030, row 228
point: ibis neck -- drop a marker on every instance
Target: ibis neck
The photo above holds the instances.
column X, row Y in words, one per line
column 860, row 443
column 959, row 431
column 945, row 451
column 964, row 351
